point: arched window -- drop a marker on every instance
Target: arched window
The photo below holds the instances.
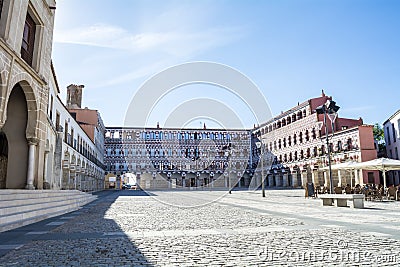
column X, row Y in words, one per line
column 349, row 144
column 339, row 146
column 307, row 136
column 294, row 139
column 299, row 115
column 314, row 135
column 290, row 140
column 301, row 137
column 284, row 142
column 279, row 144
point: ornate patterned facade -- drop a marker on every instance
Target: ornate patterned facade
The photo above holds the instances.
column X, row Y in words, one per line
column 171, row 158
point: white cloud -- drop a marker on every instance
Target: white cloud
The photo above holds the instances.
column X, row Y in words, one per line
column 173, row 42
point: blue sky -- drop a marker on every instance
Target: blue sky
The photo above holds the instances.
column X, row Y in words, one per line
column 290, row 49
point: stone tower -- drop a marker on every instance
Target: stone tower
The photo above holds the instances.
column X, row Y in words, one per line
column 74, row 96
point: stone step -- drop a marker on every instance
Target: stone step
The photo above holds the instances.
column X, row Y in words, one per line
column 25, row 205
column 26, row 208
column 18, row 200
column 24, row 194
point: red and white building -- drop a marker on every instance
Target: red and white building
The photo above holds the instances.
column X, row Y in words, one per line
column 295, row 147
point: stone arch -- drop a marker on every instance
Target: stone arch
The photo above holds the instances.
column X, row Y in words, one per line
column 14, row 129
column 32, row 105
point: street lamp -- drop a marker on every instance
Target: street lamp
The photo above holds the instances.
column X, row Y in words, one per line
column 329, row 108
column 227, row 155
column 260, row 146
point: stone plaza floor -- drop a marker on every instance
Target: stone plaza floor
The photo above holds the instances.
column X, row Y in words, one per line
column 209, row 228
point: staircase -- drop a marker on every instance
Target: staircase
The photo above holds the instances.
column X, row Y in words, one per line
column 22, row 207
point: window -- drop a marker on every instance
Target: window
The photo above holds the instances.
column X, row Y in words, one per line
column 394, row 133
column 1, row 7
column 339, row 146
column 388, row 135
column 51, row 108
column 72, row 138
column 398, row 124
column 28, row 40
column 66, row 132
column 58, row 122
column 396, row 153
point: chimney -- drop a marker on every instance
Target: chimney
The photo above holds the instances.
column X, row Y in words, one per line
column 74, row 96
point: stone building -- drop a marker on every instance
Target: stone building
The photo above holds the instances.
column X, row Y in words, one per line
column 26, row 33
column 391, row 128
column 175, row 158
column 42, row 146
column 75, row 153
column 295, row 147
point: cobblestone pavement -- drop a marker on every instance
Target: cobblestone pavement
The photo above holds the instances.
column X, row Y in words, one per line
column 130, row 228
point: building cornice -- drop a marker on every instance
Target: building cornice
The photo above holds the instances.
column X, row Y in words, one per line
column 392, row 117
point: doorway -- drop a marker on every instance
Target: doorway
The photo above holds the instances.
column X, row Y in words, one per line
column 14, row 134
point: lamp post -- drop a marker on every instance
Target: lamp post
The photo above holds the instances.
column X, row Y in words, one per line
column 229, row 148
column 261, row 147
column 227, row 154
column 328, row 108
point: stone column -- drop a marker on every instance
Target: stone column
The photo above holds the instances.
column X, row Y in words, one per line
column 31, row 164
column 357, row 178
column 339, row 178
column 304, row 178
column 46, row 183
column 294, row 179
column 285, row 181
column 314, row 177
column 326, row 179
column 278, row 180
column 270, row 180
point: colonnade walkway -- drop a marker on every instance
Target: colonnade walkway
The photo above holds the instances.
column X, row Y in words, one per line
column 204, row 228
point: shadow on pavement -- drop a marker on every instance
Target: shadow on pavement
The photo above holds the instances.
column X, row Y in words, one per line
column 86, row 237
